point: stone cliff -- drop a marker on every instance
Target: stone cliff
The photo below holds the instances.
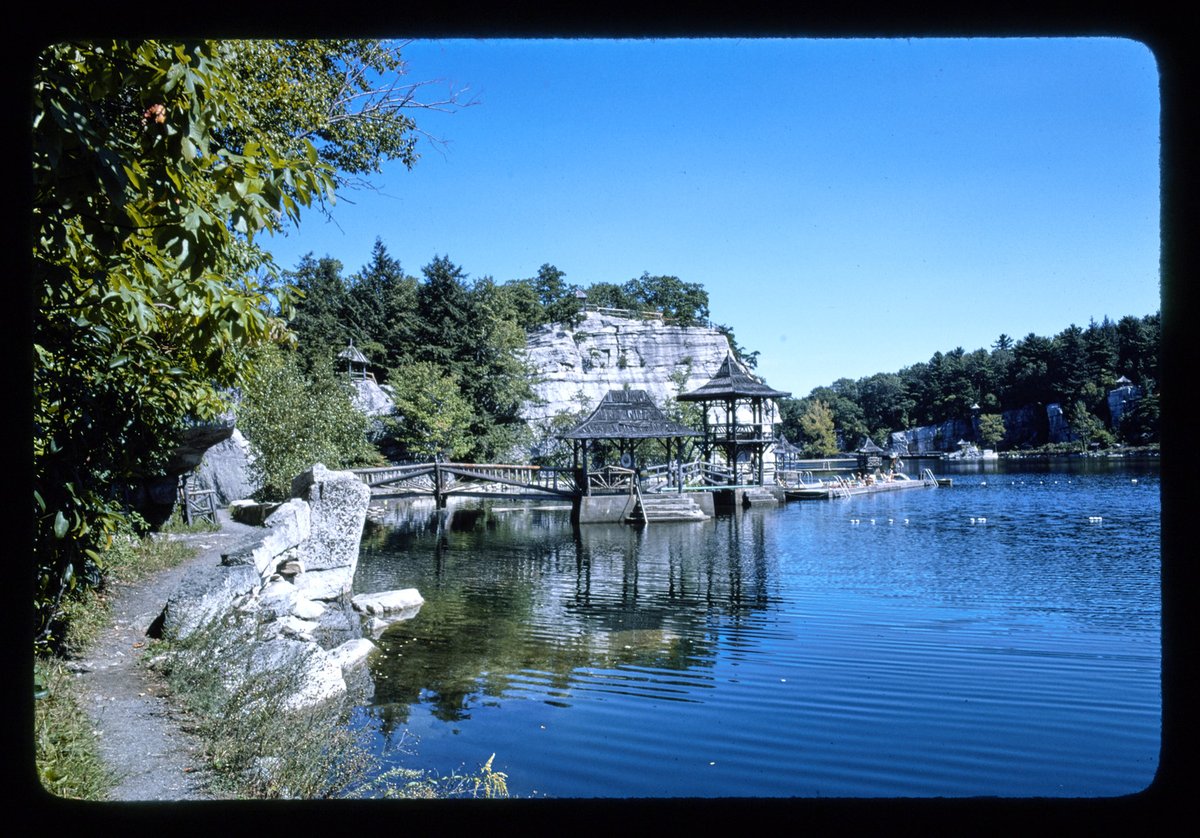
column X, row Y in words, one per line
column 607, row 353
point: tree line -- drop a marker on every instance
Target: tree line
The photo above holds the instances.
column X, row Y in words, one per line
column 451, row 347
column 1075, row 368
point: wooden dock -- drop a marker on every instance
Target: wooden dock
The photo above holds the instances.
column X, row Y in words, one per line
column 845, row 489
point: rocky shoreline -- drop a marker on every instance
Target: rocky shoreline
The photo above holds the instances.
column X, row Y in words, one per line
column 289, row 569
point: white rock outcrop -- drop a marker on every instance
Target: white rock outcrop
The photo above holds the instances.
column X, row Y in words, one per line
column 370, row 398
column 607, row 353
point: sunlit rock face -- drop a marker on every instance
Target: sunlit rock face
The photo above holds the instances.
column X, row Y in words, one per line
column 607, row 353
column 370, row 398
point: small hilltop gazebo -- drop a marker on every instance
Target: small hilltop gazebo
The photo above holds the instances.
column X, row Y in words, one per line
column 356, row 362
column 622, row 419
column 738, row 417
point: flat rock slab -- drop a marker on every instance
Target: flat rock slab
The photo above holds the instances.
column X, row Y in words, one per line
column 388, row 602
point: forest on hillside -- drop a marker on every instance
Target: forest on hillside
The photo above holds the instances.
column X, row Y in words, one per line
column 1075, row 368
column 451, row 345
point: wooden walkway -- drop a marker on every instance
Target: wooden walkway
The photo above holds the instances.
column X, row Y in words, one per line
column 443, row 480
column 528, row 482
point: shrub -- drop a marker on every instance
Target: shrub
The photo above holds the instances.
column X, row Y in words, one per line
column 294, row 419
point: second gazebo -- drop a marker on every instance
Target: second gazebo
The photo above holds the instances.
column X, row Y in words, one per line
column 738, row 417
column 621, row 420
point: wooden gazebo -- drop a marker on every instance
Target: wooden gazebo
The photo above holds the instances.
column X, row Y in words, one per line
column 622, row 419
column 738, row 417
column 869, row 456
column 356, row 362
column 786, row 454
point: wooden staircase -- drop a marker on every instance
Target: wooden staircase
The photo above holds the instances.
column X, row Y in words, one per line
column 759, row 497
column 665, row 507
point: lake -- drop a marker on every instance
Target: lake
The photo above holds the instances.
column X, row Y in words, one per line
column 999, row 637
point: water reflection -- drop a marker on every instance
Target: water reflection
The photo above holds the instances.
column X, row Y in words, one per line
column 513, row 596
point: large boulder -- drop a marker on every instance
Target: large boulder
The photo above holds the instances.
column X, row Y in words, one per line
column 286, row 527
column 338, row 501
column 371, row 399
column 226, row 469
column 317, row 674
column 206, row 593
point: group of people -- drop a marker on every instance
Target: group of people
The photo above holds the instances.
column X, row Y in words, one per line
column 863, row 478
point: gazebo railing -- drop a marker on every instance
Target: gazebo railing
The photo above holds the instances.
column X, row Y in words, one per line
column 612, row 478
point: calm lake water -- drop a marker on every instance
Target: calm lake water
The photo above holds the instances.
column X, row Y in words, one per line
column 1000, row 637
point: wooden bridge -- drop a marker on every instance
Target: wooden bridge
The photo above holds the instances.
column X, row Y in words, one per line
column 443, row 480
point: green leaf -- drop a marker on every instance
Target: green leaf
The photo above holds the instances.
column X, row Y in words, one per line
column 60, row 525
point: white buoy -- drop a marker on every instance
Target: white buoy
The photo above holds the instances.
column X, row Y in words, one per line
column 972, row 520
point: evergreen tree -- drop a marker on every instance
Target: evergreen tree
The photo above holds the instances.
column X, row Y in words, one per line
column 322, row 317
column 383, row 310
column 447, row 321
column 817, row 429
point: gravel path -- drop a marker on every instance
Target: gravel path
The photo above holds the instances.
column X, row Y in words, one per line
column 140, row 734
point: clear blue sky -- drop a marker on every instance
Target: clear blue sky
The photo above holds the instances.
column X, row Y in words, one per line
column 851, row 206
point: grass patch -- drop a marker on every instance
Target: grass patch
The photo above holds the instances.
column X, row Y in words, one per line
column 259, row 749
column 67, row 756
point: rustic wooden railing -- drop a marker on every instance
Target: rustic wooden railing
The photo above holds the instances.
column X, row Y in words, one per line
column 443, row 479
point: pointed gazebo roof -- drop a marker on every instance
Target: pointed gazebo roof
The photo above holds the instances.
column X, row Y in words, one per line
column 785, row 448
column 627, row 414
column 732, row 381
column 869, row 447
column 351, row 353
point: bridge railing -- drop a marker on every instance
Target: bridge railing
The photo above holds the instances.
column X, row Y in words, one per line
column 440, row 478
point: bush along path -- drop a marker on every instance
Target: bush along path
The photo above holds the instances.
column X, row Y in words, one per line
column 142, row 737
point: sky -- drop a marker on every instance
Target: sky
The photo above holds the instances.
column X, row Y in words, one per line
column 851, row 206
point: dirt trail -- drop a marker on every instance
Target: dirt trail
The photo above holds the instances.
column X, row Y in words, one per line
column 141, row 738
